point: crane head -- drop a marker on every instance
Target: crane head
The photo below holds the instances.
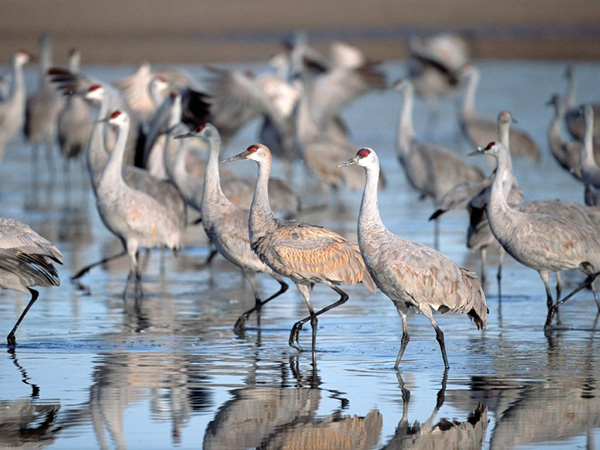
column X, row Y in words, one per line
column 256, row 152
column 364, row 157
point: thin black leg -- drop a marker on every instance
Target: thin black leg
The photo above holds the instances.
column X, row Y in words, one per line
column 86, row 269
column 11, row 336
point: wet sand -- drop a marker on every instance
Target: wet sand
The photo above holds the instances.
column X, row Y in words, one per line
column 130, row 31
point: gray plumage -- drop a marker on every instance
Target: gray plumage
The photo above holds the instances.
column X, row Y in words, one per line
column 25, row 261
column 306, row 254
column 543, row 242
column 573, row 118
column 226, row 224
column 412, row 275
column 590, row 172
column 480, row 130
column 136, row 218
column 431, row 169
column 12, row 108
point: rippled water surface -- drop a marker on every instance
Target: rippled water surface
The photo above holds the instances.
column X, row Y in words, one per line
column 92, row 370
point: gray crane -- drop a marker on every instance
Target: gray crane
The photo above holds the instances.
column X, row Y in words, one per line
column 475, row 196
column 431, row 169
column 306, row 254
column 414, row 276
column 25, row 261
column 573, row 119
column 590, row 172
column 135, row 217
column 543, row 242
column 12, row 107
column 226, row 224
column 480, row 129
column 42, row 108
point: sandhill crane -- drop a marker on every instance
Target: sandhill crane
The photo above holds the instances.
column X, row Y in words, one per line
column 565, row 152
column 590, row 172
column 412, row 275
column 226, row 224
column 435, row 66
column 476, row 196
column 74, row 121
column 43, row 107
column 431, row 169
column 113, row 99
column 573, row 118
column 136, row 218
column 25, row 261
column 542, row 242
column 12, row 108
column 306, row 254
column 318, row 139
column 188, row 173
column 480, row 130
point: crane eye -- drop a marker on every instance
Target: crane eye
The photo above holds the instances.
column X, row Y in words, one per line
column 94, row 87
column 115, row 114
column 200, row 128
column 490, row 145
column 252, row 149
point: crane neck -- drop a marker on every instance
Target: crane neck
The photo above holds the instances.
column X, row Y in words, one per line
column 587, row 147
column 500, row 186
column 261, row 218
column 112, row 174
column 212, row 180
column 468, row 104
column 406, row 132
column 96, row 153
column 18, row 85
column 571, row 88
column 504, row 135
column 369, row 216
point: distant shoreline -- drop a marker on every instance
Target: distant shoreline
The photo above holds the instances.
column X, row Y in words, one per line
column 199, row 31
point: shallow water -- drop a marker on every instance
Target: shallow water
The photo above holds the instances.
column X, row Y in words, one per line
column 93, row 371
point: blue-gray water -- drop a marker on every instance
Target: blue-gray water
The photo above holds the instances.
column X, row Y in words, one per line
column 92, row 371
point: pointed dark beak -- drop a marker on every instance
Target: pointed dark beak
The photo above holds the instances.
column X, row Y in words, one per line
column 350, row 162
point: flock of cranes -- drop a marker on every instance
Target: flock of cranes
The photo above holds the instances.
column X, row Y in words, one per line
column 145, row 140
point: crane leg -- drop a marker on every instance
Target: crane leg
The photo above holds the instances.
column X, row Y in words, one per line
column 258, row 304
column 499, row 273
column 439, row 334
column 483, row 255
column 87, row 268
column 559, row 286
column 552, row 311
column 549, row 300
column 294, row 335
column 405, row 339
column 436, row 233
column 11, row 336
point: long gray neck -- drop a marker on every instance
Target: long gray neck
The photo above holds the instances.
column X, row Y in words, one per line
column 468, row 104
column 18, row 85
column 587, row 148
column 368, row 216
column 262, row 218
column 498, row 207
column 406, row 132
column 112, row 174
column 96, row 153
column 554, row 131
column 571, row 88
column 212, row 181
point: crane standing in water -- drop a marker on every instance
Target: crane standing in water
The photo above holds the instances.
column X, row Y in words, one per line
column 25, row 261
column 543, row 242
column 226, row 224
column 306, row 254
column 411, row 274
column 135, row 217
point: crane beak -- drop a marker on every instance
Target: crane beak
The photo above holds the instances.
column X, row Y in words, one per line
column 479, row 151
column 350, row 162
column 237, row 157
column 180, row 136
